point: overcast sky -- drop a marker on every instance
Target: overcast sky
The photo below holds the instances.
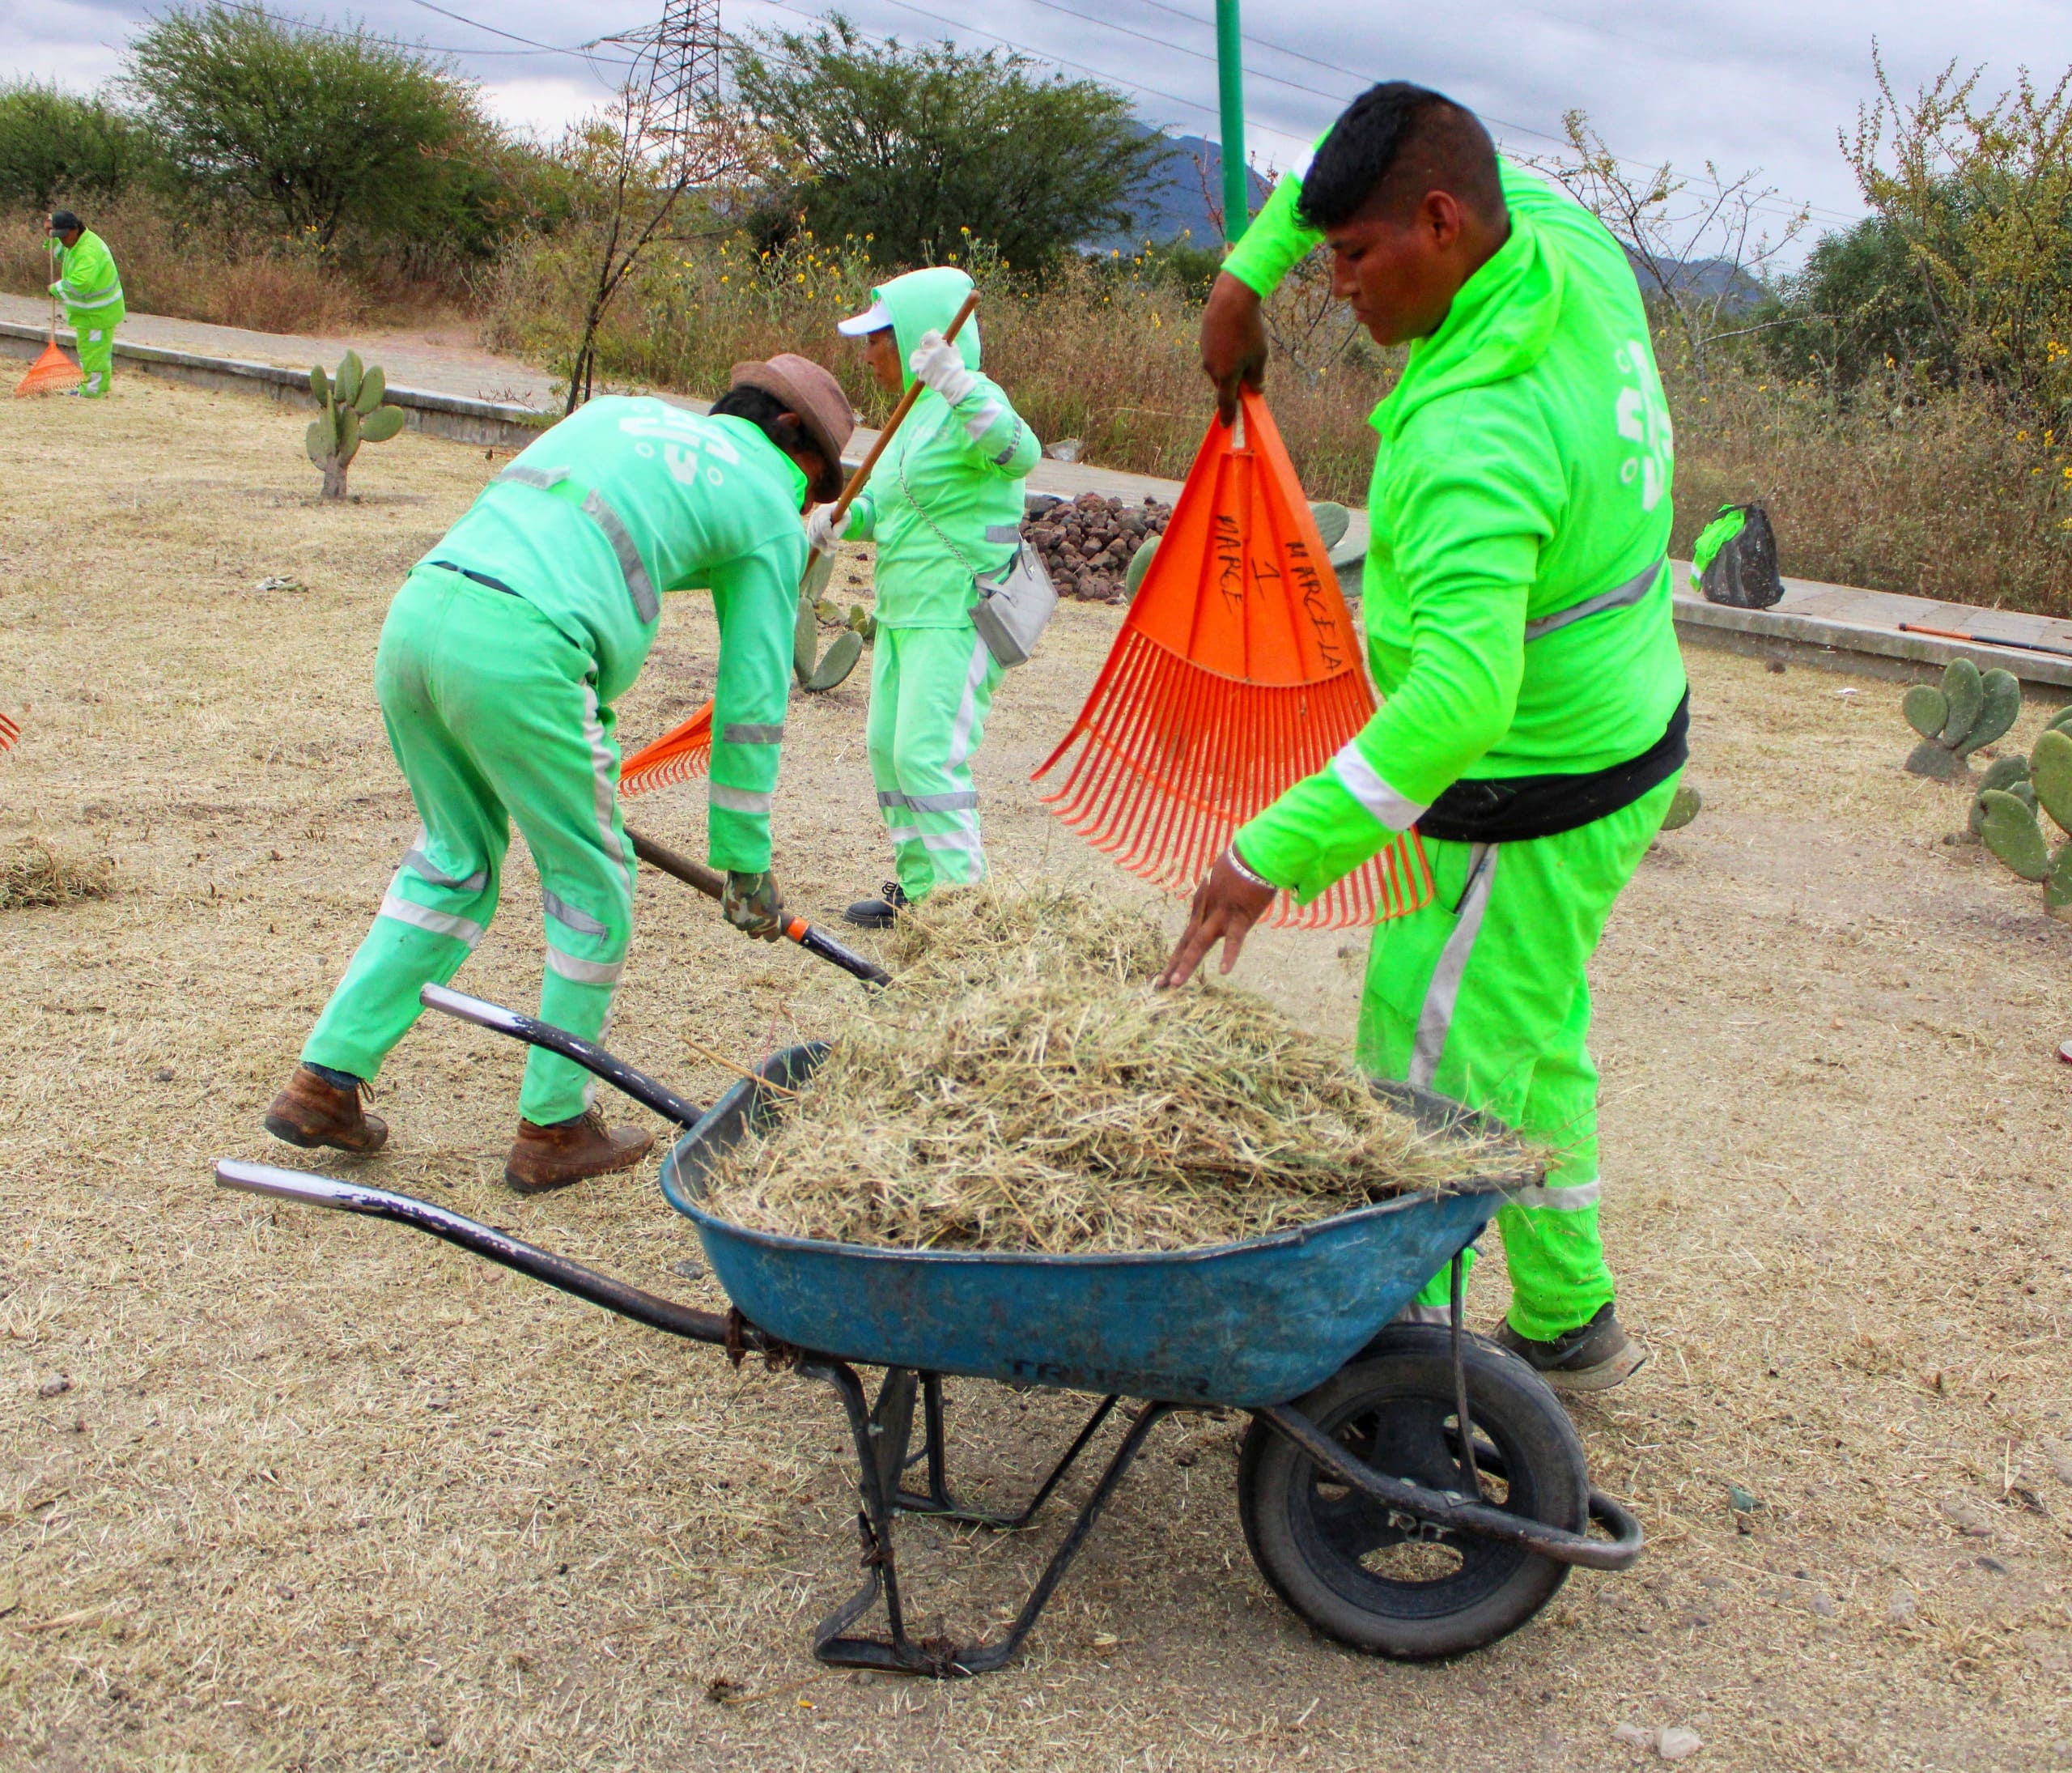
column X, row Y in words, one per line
column 1745, row 83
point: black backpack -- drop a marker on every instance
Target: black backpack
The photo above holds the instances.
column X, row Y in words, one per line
column 1742, row 573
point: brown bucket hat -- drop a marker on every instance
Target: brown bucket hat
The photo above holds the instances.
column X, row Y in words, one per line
column 813, row 393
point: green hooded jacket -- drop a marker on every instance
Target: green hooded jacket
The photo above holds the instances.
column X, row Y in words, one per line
column 87, row 283
column 945, row 503
column 1523, row 471
column 629, row 498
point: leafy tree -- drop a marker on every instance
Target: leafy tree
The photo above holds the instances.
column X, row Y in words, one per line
column 327, row 128
column 1858, row 307
column 910, row 148
column 54, row 144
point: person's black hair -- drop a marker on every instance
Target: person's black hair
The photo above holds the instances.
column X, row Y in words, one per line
column 1396, row 142
column 765, row 412
column 64, row 221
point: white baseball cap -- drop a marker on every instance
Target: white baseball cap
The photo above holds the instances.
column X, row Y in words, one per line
column 873, row 319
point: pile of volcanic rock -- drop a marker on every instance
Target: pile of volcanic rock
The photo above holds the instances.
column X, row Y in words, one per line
column 1086, row 543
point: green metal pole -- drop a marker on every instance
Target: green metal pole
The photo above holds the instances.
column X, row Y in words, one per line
column 1230, row 82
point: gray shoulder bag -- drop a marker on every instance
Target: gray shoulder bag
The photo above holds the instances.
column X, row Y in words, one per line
column 1014, row 607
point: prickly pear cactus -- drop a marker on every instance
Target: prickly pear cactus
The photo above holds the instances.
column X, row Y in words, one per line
column 1973, row 708
column 2008, row 817
column 1683, row 806
column 814, row 670
column 353, row 414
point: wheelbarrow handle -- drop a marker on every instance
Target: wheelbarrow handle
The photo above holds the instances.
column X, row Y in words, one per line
column 593, row 1059
column 816, row 942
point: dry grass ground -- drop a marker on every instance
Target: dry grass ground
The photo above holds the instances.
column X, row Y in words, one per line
column 319, row 1493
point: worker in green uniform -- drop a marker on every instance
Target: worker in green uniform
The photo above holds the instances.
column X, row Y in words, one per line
column 1517, row 605
column 92, row 294
column 499, row 665
column 943, row 505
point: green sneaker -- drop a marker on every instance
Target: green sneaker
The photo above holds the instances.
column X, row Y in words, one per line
column 1594, row 1357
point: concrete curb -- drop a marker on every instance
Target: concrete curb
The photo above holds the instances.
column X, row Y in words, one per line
column 1873, row 649
column 490, row 422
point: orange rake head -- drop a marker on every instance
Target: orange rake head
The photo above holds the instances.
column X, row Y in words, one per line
column 1237, row 673
column 51, row 373
column 675, row 757
column 9, row 731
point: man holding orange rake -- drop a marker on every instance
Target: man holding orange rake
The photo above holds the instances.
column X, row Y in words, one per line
column 1517, row 605
column 500, row 662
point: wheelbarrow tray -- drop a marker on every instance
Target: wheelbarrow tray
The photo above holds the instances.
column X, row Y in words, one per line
column 1248, row 1323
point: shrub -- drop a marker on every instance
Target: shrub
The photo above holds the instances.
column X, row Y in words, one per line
column 56, row 144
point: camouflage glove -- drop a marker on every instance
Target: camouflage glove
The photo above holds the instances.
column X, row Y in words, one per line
column 753, row 904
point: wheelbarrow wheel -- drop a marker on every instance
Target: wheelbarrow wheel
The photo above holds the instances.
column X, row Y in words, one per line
column 1374, row 1578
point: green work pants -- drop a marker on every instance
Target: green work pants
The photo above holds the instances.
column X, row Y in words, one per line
column 930, row 691
column 93, row 332
column 1482, row 997
column 493, row 714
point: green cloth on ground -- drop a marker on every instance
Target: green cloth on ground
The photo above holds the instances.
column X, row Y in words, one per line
column 931, row 689
column 697, row 501
column 945, row 503
column 1483, row 996
column 1523, row 468
column 493, row 713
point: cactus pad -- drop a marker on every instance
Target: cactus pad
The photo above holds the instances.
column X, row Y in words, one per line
column 1333, row 521
column 840, row 661
column 347, row 380
column 2050, row 771
column 2010, row 830
column 1934, row 758
column 381, row 425
column 2061, row 720
column 1683, row 806
column 1925, row 709
column 819, row 575
column 373, row 385
column 2004, row 772
column 2057, row 885
column 1141, row 563
column 805, row 639
column 2000, row 705
column 1963, row 685
column 320, row 384
column 317, row 440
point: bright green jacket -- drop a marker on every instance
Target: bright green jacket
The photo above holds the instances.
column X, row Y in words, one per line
column 1523, row 471
column 87, row 283
column 626, row 499
column 945, row 503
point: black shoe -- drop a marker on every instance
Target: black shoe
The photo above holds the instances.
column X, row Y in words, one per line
column 1595, row 1357
column 878, row 913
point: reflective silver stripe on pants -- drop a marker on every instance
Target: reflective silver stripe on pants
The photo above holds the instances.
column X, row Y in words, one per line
column 752, row 733
column 440, row 923
column 604, row 770
column 583, row 972
column 1436, row 1016
column 1618, row 597
column 967, row 710
column 962, row 801
column 1007, row 534
column 736, row 800
column 964, row 842
column 420, row 864
column 1546, row 1200
column 574, row 915
column 616, row 534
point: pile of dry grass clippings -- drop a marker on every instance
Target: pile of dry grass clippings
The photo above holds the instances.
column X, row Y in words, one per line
column 1022, row 1088
column 37, row 874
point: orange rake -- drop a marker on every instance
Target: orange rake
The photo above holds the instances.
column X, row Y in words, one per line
column 1237, row 673
column 54, row 372
column 9, row 731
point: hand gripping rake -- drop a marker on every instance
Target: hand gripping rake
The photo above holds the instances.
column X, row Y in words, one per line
column 1237, row 673
column 51, row 373
column 686, row 750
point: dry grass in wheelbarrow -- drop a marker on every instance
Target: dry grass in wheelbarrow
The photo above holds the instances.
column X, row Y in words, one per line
column 1022, row 1088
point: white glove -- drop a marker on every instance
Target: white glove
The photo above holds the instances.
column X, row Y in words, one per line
column 819, row 529
column 937, row 364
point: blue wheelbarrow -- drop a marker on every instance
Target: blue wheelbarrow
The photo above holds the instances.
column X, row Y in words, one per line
column 1409, row 1489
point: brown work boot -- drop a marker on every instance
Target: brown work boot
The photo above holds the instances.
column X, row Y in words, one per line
column 553, row 1156
column 311, row 1112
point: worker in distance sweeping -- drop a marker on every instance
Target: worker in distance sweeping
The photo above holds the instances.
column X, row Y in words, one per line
column 500, row 661
column 945, row 506
column 91, row 293
column 1517, row 604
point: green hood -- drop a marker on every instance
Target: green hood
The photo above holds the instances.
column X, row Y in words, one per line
column 1500, row 324
column 927, row 301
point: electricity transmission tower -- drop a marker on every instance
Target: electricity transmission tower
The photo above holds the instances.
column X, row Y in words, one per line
column 686, row 83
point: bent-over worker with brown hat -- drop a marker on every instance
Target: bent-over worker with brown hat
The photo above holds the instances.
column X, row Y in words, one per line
column 500, row 662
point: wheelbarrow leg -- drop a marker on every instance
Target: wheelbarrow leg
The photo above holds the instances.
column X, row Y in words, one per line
column 940, row 1501
column 881, row 1434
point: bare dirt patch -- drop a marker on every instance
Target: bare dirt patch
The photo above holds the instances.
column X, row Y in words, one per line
column 317, row 1493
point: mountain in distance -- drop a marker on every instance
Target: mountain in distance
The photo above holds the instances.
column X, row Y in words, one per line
column 1172, row 199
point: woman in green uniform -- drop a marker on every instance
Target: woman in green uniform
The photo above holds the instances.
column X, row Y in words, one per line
column 500, row 662
column 943, row 505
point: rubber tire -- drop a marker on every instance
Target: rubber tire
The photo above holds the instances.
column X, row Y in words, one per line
column 1500, row 1586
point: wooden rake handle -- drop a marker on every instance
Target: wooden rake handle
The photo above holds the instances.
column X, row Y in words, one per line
column 707, row 880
